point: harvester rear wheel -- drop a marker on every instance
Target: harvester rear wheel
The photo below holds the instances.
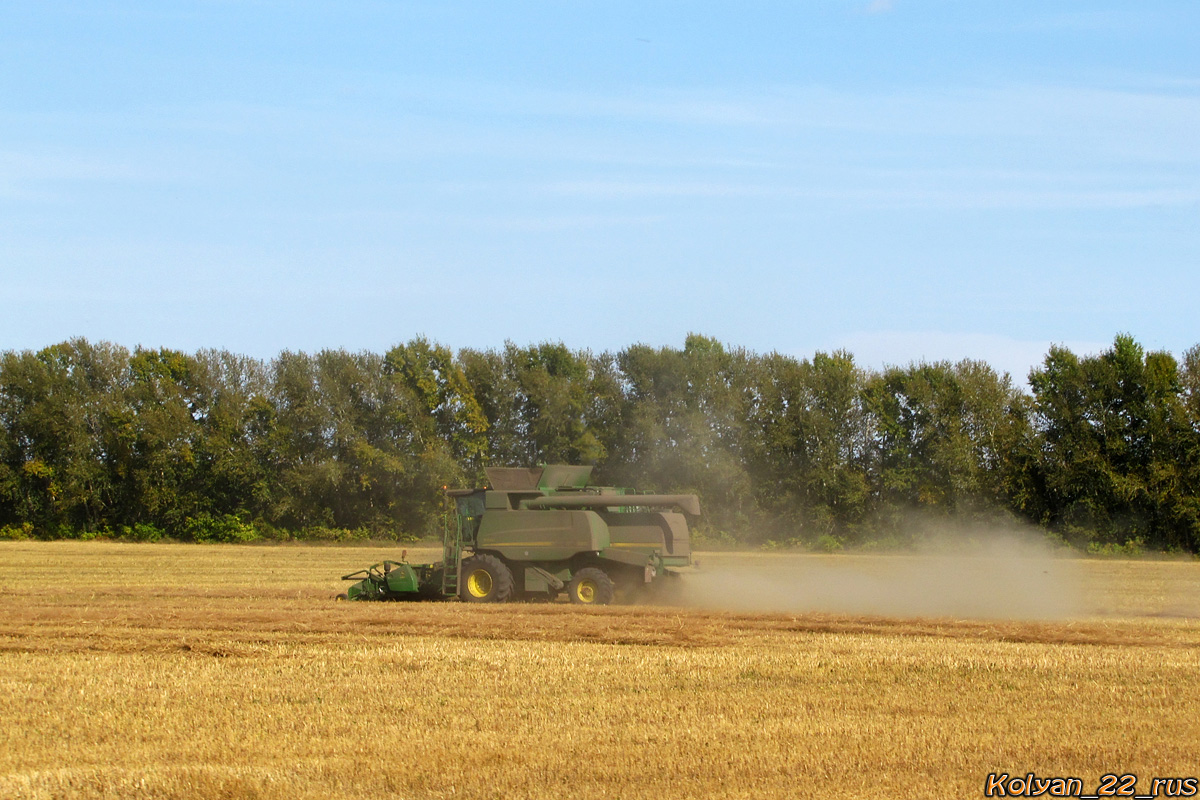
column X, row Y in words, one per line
column 486, row 579
column 590, row 586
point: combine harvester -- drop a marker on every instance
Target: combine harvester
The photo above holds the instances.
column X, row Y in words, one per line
column 538, row 532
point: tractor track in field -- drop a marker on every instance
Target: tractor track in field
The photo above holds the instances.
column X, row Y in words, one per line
column 231, row 622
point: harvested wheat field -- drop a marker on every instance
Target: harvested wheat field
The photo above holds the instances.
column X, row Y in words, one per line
column 172, row 671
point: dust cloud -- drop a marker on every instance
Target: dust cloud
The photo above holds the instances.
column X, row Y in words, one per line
column 1004, row 577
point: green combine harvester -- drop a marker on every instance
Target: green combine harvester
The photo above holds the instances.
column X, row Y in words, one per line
column 536, row 533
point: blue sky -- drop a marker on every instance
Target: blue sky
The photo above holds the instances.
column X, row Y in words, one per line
column 908, row 179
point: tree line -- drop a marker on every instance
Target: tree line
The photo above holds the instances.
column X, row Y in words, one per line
column 96, row 440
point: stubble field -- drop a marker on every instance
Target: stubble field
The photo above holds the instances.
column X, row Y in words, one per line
column 173, row 671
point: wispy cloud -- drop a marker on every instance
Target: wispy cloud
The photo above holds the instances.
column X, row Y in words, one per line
column 40, row 174
column 1151, row 121
column 880, row 6
column 886, row 191
column 1030, row 147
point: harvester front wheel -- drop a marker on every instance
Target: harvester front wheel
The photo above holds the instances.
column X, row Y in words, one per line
column 591, row 587
column 486, row 579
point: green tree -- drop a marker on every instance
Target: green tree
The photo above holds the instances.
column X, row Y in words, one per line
column 495, row 390
column 299, row 436
column 1189, row 384
column 231, row 398
column 944, row 435
column 448, row 413
column 1117, row 445
column 683, row 428
column 157, row 433
column 809, row 444
column 354, row 440
column 545, row 403
column 56, row 407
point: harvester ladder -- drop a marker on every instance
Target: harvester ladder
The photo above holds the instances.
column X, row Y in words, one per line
column 451, row 550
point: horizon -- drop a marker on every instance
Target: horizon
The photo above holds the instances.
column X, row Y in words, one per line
column 873, row 363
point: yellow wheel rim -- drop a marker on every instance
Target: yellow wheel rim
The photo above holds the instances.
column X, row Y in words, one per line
column 586, row 590
column 479, row 583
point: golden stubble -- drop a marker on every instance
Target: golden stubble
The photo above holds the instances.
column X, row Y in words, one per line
column 190, row 672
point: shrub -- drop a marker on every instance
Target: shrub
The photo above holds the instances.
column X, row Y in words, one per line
column 322, row 534
column 1131, row 549
column 226, row 528
column 142, row 532
column 17, row 533
column 828, row 543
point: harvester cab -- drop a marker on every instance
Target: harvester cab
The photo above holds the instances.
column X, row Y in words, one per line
column 535, row 533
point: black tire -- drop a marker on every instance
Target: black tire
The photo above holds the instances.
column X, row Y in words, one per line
column 591, row 587
column 485, row 579
column 341, row 597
